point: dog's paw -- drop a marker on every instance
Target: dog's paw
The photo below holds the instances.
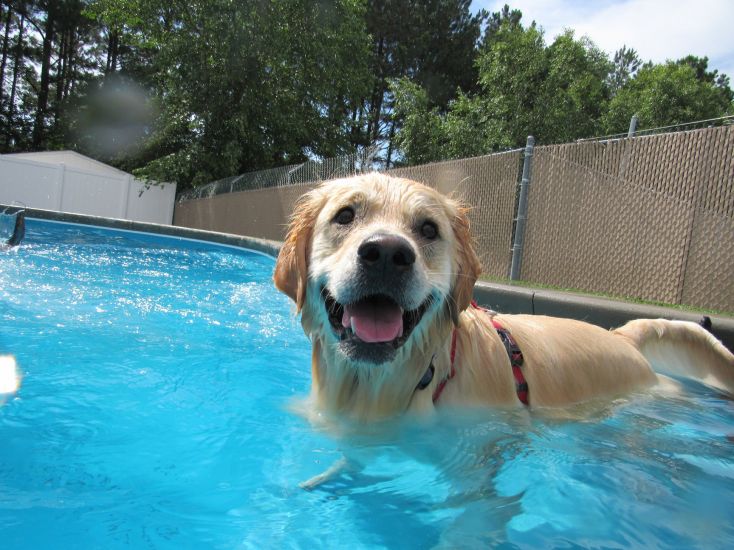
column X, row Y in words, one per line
column 336, row 469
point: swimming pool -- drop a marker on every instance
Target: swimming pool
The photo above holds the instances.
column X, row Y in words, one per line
column 157, row 375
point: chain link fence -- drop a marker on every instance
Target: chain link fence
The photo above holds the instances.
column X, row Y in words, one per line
column 283, row 176
column 487, row 184
column 649, row 217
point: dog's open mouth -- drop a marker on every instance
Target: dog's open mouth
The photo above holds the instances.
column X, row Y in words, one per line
column 376, row 320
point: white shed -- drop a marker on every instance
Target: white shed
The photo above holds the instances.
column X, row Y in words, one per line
column 66, row 181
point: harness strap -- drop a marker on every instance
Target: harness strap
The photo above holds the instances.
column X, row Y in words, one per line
column 442, row 384
column 513, row 352
column 516, row 361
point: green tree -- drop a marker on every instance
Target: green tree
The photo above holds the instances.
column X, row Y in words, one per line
column 422, row 137
column 432, row 42
column 512, row 69
column 495, row 20
column 720, row 82
column 625, row 65
column 574, row 93
column 557, row 93
column 666, row 94
column 49, row 52
column 245, row 85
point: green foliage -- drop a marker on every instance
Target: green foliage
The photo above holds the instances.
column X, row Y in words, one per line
column 250, row 85
column 663, row 95
column 574, row 93
column 625, row 65
column 557, row 93
column 512, row 68
column 422, row 135
column 719, row 81
column 432, row 42
column 192, row 91
column 428, row 135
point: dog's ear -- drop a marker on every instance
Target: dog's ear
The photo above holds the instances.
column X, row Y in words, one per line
column 469, row 268
column 291, row 268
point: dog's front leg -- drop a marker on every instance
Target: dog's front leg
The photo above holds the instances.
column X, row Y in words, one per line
column 339, row 467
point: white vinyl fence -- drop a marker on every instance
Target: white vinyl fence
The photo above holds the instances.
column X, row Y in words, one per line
column 69, row 189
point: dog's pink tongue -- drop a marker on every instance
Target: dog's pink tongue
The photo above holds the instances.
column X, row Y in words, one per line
column 374, row 321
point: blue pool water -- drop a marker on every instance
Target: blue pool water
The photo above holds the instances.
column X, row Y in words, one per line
column 154, row 412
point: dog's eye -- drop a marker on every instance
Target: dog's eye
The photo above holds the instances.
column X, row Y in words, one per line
column 345, row 216
column 429, row 230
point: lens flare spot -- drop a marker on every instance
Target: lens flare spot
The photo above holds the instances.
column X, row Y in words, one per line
column 9, row 375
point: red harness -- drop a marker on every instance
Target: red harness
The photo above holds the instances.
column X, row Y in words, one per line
column 452, row 372
column 513, row 352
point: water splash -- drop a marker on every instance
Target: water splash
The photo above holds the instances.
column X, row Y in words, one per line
column 13, row 228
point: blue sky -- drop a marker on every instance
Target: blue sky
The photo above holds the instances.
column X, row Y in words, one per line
column 657, row 29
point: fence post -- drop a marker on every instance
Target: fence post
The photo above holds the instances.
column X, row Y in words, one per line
column 60, row 177
column 633, row 126
column 125, row 199
column 522, row 210
column 625, row 155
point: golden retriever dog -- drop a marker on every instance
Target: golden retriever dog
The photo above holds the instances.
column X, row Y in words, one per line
column 382, row 271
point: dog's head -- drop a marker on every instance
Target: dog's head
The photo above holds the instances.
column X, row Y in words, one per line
column 373, row 261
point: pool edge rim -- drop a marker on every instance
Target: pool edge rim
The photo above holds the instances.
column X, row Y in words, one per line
column 265, row 246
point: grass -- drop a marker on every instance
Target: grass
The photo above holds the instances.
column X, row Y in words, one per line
column 627, row 299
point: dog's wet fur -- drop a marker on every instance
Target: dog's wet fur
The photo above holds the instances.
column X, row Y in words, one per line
column 382, row 271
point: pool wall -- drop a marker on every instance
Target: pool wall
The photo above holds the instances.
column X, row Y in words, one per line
column 501, row 297
column 261, row 245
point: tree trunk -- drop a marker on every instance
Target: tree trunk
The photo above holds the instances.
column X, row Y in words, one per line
column 39, row 132
column 61, row 67
column 376, row 116
column 390, row 139
column 62, row 72
column 70, row 64
column 355, row 132
column 6, row 41
column 375, row 109
column 17, row 68
column 113, row 48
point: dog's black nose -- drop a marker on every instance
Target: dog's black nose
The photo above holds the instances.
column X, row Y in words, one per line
column 387, row 252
